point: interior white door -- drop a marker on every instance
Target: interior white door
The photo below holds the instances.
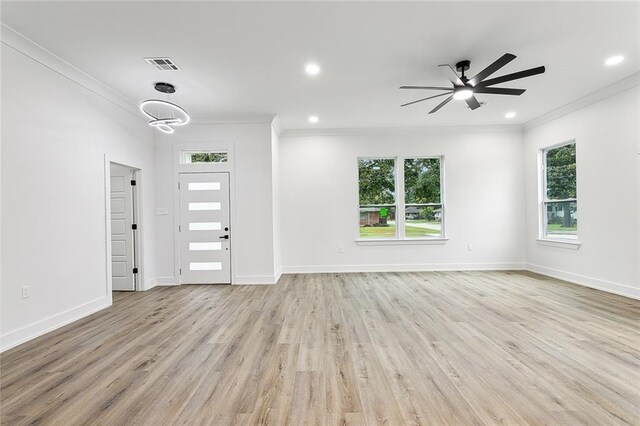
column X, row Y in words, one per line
column 122, row 234
column 205, row 237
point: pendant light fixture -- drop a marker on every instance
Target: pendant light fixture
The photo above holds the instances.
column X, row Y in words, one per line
column 164, row 115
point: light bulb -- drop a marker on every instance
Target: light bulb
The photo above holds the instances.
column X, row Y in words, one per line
column 463, row 94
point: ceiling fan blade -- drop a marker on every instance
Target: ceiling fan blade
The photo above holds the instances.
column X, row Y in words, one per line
column 501, row 62
column 513, row 76
column 426, row 88
column 441, row 104
column 451, row 75
column 473, row 102
column 498, row 91
column 424, row 99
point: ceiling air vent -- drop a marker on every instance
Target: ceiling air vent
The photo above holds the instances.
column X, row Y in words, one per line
column 162, row 64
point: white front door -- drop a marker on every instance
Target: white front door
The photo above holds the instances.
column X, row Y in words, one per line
column 205, row 244
column 122, row 233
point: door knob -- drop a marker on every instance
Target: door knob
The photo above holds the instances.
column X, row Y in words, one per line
column 226, row 237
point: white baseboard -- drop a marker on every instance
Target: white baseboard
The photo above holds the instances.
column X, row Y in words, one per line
column 315, row 269
column 149, row 284
column 598, row 284
column 256, row 279
column 53, row 322
column 238, row 280
column 166, row 281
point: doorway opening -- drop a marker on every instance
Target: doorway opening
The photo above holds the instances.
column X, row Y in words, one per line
column 124, row 227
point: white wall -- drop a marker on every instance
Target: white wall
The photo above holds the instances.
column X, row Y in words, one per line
column 55, row 136
column 483, row 188
column 607, row 142
column 252, row 232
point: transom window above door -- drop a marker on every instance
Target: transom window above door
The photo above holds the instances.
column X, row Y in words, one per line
column 195, row 157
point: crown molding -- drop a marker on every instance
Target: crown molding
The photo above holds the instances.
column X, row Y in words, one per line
column 422, row 130
column 605, row 92
column 27, row 47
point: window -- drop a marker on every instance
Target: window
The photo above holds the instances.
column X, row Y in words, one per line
column 377, row 189
column 414, row 211
column 559, row 214
column 190, row 157
column 422, row 197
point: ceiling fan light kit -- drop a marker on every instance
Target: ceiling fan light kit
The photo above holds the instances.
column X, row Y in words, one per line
column 462, row 94
column 465, row 88
column 164, row 115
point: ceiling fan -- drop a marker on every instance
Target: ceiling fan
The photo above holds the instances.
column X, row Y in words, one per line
column 465, row 88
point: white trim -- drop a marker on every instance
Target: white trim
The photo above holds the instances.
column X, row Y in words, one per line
column 401, row 242
column 596, row 283
column 107, row 228
column 256, row 279
column 416, row 130
column 608, row 91
column 141, row 284
column 149, row 284
column 560, row 243
column 178, row 167
column 22, row 44
column 166, row 281
column 543, row 233
column 276, row 125
column 400, row 202
column 53, row 322
column 425, row 267
column 277, row 276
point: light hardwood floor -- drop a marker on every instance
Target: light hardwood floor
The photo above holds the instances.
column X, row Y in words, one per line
column 393, row 348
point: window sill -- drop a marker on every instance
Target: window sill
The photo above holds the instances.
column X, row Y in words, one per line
column 397, row 242
column 566, row 244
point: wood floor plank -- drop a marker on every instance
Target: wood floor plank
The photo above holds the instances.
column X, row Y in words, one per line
column 338, row 349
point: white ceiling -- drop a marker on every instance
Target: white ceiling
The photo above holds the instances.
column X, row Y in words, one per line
column 247, row 58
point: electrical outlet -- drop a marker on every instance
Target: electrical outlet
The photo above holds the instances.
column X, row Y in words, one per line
column 340, row 249
column 469, row 247
column 26, row 292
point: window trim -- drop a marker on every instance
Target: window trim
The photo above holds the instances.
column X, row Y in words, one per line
column 395, row 198
column 400, row 204
column 543, row 235
column 185, row 154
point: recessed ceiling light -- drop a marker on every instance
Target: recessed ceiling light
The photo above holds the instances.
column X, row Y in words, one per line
column 463, row 94
column 614, row 60
column 312, row 69
column 510, row 115
column 313, row 119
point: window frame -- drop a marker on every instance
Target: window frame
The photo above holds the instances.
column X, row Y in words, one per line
column 395, row 198
column 400, row 202
column 544, row 201
column 186, row 154
column 441, row 204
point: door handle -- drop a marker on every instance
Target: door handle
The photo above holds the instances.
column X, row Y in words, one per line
column 226, row 237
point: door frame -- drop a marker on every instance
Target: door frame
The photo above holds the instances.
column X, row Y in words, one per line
column 137, row 206
column 179, row 211
column 179, row 168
